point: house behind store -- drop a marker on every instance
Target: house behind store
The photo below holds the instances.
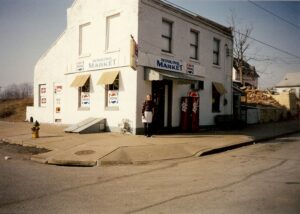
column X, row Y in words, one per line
column 249, row 75
column 290, row 83
column 113, row 53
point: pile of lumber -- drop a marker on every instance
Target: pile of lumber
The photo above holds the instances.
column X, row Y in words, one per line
column 258, row 97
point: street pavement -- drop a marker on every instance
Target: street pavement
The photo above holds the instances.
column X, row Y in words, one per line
column 115, row 148
column 263, row 178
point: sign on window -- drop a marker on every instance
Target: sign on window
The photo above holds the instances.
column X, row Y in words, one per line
column 85, row 99
column 43, row 95
column 113, row 98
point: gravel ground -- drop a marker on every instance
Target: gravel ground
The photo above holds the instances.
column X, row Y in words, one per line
column 19, row 152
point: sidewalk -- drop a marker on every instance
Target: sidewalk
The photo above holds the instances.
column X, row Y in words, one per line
column 114, row 148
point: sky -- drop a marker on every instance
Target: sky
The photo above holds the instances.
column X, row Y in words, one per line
column 29, row 27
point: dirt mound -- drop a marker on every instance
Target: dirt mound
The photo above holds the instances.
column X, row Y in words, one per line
column 14, row 110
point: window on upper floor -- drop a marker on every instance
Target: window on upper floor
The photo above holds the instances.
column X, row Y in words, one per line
column 166, row 36
column 113, row 32
column 216, row 52
column 85, row 40
column 194, row 42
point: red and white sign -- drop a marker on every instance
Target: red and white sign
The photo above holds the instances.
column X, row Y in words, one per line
column 113, row 98
column 57, row 89
column 43, row 95
column 85, row 99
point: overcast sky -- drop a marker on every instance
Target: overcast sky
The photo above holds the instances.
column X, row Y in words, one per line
column 29, row 27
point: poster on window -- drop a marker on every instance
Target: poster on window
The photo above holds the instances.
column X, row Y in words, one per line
column 113, row 98
column 43, row 95
column 85, row 99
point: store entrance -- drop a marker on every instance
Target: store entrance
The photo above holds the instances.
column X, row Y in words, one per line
column 162, row 97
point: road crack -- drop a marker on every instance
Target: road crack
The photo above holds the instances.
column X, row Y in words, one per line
column 211, row 189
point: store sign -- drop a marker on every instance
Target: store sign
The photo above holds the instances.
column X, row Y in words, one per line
column 57, row 89
column 85, row 99
column 167, row 64
column 97, row 64
column 190, row 68
column 113, row 98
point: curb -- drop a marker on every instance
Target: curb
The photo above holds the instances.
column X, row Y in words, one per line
column 247, row 143
column 99, row 162
column 197, row 154
column 72, row 163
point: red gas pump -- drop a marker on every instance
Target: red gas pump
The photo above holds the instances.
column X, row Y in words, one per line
column 195, row 113
column 190, row 112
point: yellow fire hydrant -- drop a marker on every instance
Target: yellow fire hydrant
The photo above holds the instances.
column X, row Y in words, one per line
column 35, row 129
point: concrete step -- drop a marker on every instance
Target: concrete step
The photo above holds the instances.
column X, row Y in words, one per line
column 89, row 125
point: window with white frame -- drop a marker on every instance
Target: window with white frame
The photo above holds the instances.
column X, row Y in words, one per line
column 42, row 95
column 113, row 32
column 112, row 93
column 84, row 95
column 194, row 42
column 216, row 52
column 166, row 36
column 85, row 39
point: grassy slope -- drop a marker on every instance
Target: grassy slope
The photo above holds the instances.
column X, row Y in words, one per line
column 16, row 107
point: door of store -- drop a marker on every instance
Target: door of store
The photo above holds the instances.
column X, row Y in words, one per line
column 58, row 88
column 162, row 97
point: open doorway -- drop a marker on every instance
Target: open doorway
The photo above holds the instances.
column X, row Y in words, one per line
column 162, row 97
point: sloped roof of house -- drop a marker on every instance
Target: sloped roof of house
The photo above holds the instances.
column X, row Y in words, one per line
column 247, row 68
column 289, row 80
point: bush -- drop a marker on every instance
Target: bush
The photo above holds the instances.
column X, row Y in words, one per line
column 7, row 111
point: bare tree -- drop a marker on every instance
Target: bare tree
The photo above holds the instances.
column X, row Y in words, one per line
column 25, row 90
column 14, row 91
column 241, row 43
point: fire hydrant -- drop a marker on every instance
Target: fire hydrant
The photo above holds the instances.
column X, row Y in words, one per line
column 35, row 129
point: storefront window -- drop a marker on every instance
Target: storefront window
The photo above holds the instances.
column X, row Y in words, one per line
column 42, row 95
column 112, row 93
column 84, row 95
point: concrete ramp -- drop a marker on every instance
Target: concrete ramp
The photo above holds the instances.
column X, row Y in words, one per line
column 89, row 125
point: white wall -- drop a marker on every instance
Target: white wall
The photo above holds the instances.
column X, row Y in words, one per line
column 60, row 63
column 287, row 89
column 150, row 24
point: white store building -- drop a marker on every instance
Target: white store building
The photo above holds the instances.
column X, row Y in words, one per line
column 95, row 68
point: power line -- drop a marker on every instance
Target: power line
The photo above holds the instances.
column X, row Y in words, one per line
column 270, row 12
column 266, row 44
column 254, row 39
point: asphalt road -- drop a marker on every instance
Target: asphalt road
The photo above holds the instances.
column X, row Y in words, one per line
column 262, row 178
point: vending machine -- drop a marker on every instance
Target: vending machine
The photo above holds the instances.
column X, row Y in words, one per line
column 189, row 120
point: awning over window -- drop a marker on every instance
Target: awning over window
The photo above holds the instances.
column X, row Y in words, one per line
column 108, row 78
column 181, row 78
column 80, row 80
column 220, row 88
